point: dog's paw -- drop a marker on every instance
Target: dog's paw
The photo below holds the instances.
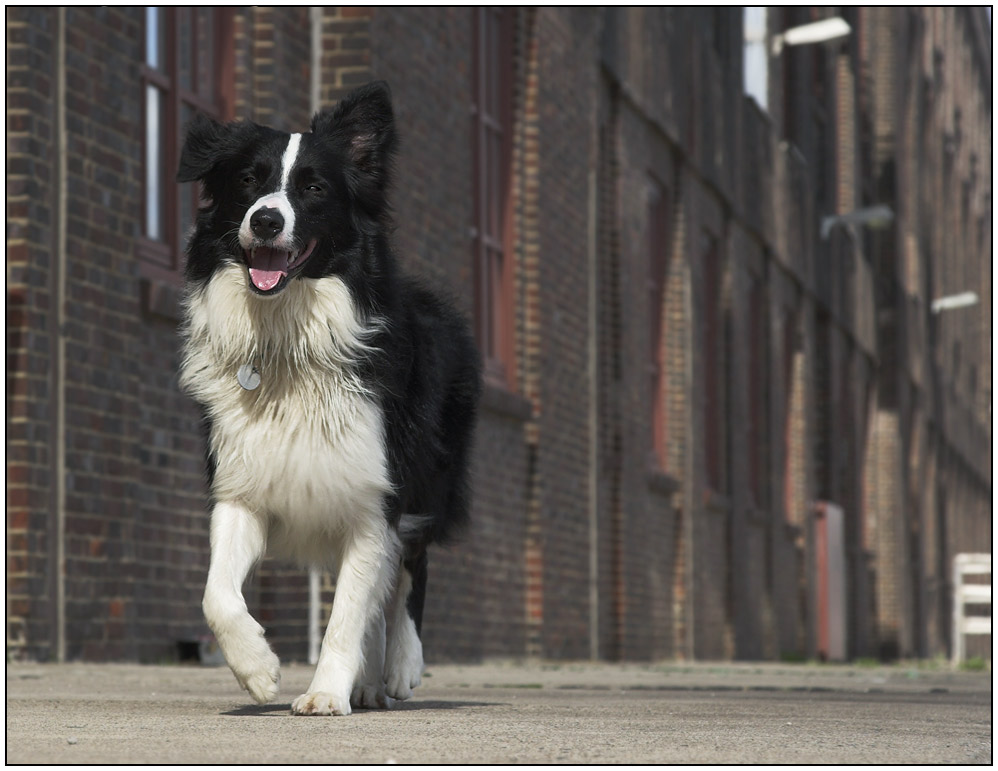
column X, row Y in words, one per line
column 263, row 679
column 404, row 668
column 402, row 679
column 370, row 697
column 254, row 664
column 400, row 686
column 320, row 703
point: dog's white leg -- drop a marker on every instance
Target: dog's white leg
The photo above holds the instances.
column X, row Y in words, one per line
column 404, row 653
column 238, row 542
column 369, row 690
column 365, row 574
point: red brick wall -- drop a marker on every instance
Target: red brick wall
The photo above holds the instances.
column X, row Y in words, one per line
column 30, row 237
column 476, row 590
column 868, row 400
column 565, row 129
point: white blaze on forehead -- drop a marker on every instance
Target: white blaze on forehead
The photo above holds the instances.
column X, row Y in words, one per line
column 276, row 200
column 288, row 161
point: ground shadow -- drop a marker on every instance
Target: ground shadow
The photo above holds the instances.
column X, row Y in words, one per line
column 277, row 710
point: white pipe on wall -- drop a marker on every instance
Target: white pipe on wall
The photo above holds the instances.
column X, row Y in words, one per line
column 314, row 578
column 58, row 400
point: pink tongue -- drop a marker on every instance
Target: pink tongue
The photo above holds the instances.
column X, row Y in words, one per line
column 267, row 266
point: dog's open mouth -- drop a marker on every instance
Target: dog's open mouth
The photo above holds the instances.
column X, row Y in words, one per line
column 269, row 268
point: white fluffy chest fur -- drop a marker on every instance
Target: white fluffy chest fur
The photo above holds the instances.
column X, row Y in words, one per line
column 306, row 448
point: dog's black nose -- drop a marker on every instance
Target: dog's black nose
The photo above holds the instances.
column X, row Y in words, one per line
column 266, row 223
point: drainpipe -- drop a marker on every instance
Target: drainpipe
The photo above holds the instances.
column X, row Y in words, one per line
column 690, row 501
column 314, row 578
column 56, row 558
column 593, row 417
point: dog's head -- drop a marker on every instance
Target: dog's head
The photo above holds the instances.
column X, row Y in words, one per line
column 288, row 205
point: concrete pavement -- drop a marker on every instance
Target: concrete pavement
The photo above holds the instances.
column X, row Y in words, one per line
column 511, row 713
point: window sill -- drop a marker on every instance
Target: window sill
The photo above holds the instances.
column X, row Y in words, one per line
column 662, row 483
column 861, row 556
column 502, row 402
column 757, row 517
column 160, row 300
column 715, row 502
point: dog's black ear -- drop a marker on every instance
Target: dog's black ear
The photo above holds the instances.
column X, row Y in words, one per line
column 203, row 148
column 364, row 125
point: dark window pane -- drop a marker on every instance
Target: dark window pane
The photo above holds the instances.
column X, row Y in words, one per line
column 186, row 192
column 185, row 48
column 206, row 53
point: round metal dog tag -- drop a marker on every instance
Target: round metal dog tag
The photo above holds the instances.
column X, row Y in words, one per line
column 248, row 377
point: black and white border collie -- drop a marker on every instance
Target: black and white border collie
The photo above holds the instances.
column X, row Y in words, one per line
column 339, row 395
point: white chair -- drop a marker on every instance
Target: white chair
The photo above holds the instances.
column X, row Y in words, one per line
column 969, row 594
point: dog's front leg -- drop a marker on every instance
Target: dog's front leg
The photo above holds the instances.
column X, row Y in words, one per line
column 238, row 541
column 369, row 689
column 363, row 580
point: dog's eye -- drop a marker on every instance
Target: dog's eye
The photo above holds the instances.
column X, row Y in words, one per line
column 249, row 180
column 313, row 189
